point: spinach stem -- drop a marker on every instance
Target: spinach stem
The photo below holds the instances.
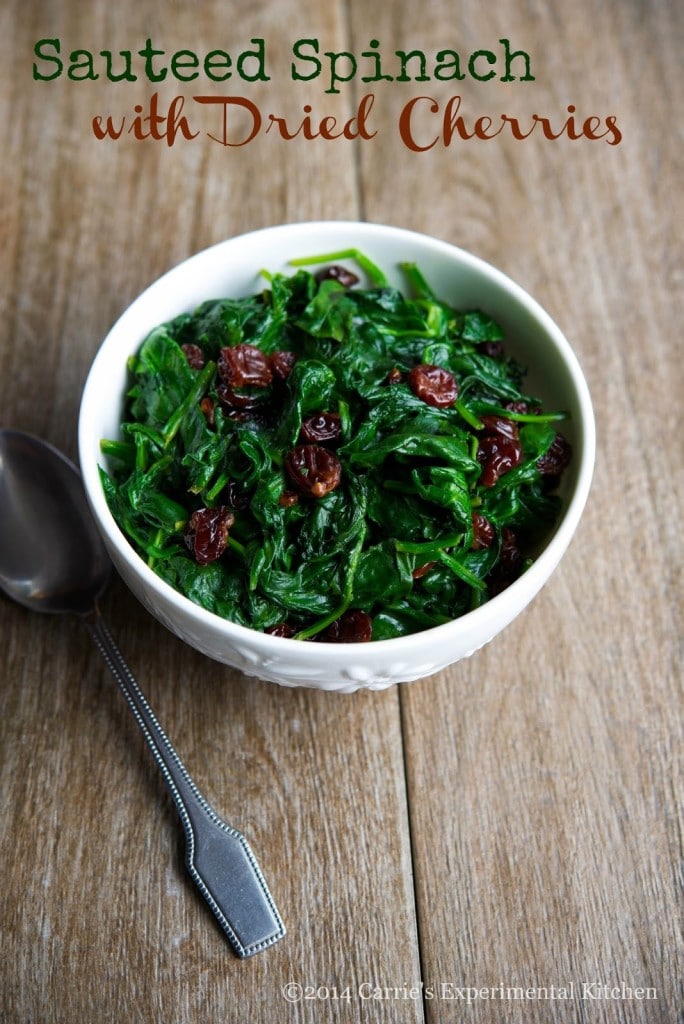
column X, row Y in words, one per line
column 462, row 572
column 214, row 491
column 237, row 546
column 158, row 540
column 192, row 398
column 525, row 417
column 122, row 450
column 470, row 417
column 415, row 278
column 371, row 269
column 430, row 547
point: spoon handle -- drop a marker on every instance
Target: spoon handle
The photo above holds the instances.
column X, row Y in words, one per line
column 218, row 857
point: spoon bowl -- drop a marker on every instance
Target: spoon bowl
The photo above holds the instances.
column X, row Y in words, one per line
column 53, row 560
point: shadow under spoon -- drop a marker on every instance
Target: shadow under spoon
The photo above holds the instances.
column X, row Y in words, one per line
column 52, row 559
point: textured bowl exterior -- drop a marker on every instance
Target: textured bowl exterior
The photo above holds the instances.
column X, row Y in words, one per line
column 232, row 268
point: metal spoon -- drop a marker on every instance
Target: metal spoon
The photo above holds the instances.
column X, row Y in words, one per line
column 52, row 559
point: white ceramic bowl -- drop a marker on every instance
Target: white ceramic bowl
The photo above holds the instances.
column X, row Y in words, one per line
column 232, row 268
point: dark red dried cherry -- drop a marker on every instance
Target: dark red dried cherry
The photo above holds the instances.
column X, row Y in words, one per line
column 510, row 559
column 288, row 498
column 497, row 454
column 321, row 426
column 493, row 349
column 194, row 356
column 510, row 563
column 422, row 570
column 556, row 458
column 236, row 404
column 207, row 408
column 433, row 385
column 206, row 534
column 338, row 273
column 244, row 366
column 281, row 364
column 517, row 406
column 499, row 449
column 315, row 470
column 353, row 627
column 523, row 407
column 499, row 425
column 280, row 629
column 394, row 376
column 483, row 532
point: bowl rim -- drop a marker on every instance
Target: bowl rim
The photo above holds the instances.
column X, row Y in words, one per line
column 515, row 596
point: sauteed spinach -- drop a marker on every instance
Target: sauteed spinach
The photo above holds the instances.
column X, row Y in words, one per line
column 332, row 460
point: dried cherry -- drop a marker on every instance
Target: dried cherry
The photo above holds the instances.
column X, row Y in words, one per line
column 280, row 629
column 499, row 450
column 321, row 426
column 517, row 406
column 207, row 408
column 434, row 385
column 206, row 534
column 288, row 498
column 497, row 454
column 335, row 272
column 194, row 356
column 483, row 532
column 244, row 366
column 510, row 558
column 523, row 407
column 556, row 458
column 493, row 349
column 353, row 627
column 510, row 564
column 281, row 363
column 422, row 570
column 499, row 425
column 315, row 470
column 237, row 405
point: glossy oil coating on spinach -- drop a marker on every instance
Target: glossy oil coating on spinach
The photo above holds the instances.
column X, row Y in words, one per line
column 446, row 468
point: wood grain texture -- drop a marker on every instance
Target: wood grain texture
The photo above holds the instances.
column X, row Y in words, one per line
column 512, row 822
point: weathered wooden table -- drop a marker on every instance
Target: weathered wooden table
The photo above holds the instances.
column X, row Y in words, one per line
column 497, row 843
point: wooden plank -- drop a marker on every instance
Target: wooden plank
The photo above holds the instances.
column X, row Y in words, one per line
column 542, row 772
column 98, row 920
